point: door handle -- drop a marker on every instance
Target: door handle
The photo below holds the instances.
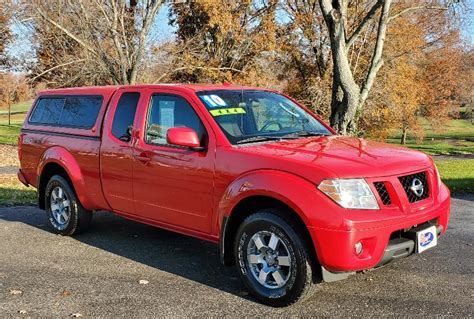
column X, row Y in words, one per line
column 143, row 159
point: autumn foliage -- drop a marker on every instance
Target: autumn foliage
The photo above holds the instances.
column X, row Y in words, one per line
column 418, row 70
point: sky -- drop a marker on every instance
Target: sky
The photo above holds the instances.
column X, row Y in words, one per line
column 161, row 30
column 468, row 25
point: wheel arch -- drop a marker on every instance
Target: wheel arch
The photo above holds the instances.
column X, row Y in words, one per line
column 49, row 170
column 59, row 161
column 249, row 206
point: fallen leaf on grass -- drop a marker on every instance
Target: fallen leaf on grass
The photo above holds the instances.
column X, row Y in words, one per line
column 15, row 292
column 66, row 293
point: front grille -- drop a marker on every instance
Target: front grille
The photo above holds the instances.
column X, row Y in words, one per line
column 416, row 186
column 383, row 193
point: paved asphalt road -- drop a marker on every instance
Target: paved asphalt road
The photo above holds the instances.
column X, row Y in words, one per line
column 98, row 274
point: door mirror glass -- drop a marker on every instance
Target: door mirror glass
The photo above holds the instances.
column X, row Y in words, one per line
column 128, row 135
column 183, row 136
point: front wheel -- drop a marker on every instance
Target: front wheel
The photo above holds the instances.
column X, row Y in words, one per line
column 273, row 260
column 65, row 213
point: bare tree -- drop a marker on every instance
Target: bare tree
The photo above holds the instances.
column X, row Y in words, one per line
column 5, row 34
column 110, row 35
column 348, row 96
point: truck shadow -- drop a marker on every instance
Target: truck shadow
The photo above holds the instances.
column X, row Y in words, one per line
column 187, row 257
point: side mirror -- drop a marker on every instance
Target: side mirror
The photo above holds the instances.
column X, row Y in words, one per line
column 128, row 134
column 184, row 136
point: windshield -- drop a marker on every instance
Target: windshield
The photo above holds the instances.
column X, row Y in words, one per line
column 252, row 116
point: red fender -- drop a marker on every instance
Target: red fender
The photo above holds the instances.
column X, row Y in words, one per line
column 299, row 194
column 296, row 192
column 66, row 160
column 290, row 189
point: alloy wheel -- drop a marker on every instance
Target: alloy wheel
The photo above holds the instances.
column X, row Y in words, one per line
column 60, row 207
column 269, row 259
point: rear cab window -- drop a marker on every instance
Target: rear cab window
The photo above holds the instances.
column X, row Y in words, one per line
column 78, row 111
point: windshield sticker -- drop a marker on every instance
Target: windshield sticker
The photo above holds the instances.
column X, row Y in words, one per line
column 209, row 101
column 214, row 100
column 217, row 99
column 228, row 111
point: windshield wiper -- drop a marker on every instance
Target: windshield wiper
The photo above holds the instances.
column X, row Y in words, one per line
column 304, row 134
column 290, row 136
column 261, row 138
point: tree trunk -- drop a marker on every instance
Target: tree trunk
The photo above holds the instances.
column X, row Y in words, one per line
column 9, row 113
column 347, row 96
column 344, row 105
column 345, row 91
column 403, row 140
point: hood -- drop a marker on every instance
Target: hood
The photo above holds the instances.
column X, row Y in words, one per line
column 346, row 157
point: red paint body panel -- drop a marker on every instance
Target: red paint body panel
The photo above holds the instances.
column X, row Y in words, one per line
column 191, row 192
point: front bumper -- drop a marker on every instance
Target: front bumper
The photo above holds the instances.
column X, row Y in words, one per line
column 401, row 247
column 336, row 247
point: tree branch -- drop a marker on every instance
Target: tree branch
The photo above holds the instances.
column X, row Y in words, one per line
column 116, row 40
column 56, row 67
column 368, row 29
column 326, row 7
column 407, row 10
column 197, row 68
column 368, row 17
column 66, row 31
column 376, row 62
column 151, row 10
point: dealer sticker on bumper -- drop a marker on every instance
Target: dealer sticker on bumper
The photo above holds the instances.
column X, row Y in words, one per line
column 426, row 238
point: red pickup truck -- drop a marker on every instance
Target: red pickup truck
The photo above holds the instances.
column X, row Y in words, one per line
column 289, row 202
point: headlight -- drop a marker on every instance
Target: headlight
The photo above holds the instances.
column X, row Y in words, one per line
column 349, row 193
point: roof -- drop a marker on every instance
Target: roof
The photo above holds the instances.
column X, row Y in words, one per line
column 112, row 88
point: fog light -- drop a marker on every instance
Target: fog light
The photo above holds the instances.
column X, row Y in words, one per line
column 358, row 248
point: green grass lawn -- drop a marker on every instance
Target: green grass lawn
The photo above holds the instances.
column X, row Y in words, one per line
column 12, row 193
column 455, row 129
column 440, row 147
column 17, row 108
column 458, row 175
column 456, row 137
column 9, row 134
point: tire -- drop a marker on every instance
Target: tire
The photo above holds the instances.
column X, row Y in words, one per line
column 287, row 276
column 65, row 213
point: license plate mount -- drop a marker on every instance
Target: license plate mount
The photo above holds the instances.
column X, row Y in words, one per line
column 426, row 238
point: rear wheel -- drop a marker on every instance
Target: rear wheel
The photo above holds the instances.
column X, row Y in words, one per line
column 273, row 260
column 65, row 213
